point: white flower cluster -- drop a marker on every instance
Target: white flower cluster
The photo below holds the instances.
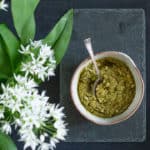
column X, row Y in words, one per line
column 41, row 66
column 40, row 124
column 3, row 5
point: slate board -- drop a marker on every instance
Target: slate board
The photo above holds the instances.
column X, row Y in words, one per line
column 110, row 29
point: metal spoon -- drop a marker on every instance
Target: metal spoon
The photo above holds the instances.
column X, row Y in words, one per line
column 90, row 50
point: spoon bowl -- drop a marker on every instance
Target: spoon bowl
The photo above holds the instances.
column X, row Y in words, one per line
column 88, row 45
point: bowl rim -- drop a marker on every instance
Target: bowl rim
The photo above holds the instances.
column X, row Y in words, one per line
column 134, row 109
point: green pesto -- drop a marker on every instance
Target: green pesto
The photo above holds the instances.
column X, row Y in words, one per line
column 113, row 95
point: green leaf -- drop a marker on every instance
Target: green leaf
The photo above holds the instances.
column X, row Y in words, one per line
column 62, row 43
column 59, row 37
column 10, row 48
column 23, row 17
column 6, row 142
column 5, row 66
column 29, row 30
column 53, row 36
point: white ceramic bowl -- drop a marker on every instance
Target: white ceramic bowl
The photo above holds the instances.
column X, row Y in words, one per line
column 133, row 106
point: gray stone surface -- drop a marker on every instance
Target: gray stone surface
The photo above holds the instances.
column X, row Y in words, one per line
column 110, row 29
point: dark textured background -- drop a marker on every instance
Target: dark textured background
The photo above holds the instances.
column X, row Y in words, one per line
column 55, row 9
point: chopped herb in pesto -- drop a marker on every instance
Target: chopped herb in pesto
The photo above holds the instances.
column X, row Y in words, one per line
column 113, row 95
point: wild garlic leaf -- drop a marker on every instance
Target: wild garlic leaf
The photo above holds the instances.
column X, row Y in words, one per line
column 10, row 48
column 6, row 142
column 29, row 30
column 23, row 17
column 5, row 65
column 60, row 36
column 53, row 36
column 62, row 43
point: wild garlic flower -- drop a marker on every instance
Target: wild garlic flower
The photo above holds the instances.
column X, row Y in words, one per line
column 40, row 124
column 3, row 5
column 46, row 132
column 40, row 61
column 26, row 82
column 6, row 128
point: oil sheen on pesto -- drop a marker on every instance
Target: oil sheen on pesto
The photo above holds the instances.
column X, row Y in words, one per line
column 113, row 95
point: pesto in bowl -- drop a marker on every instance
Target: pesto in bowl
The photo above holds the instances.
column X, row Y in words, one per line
column 114, row 94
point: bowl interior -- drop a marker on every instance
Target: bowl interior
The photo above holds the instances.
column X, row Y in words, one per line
column 133, row 106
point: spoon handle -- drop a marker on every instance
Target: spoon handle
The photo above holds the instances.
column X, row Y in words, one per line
column 88, row 45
